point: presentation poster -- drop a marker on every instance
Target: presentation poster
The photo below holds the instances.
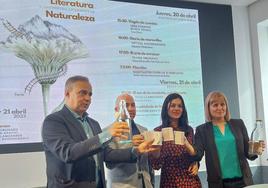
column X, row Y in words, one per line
column 147, row 51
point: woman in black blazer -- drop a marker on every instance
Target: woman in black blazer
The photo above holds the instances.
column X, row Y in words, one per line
column 225, row 144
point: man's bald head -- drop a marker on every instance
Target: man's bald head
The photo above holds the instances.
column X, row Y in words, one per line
column 130, row 103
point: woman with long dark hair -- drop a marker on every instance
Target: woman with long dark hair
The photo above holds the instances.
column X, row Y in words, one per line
column 177, row 168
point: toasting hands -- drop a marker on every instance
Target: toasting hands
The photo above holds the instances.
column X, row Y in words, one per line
column 137, row 140
column 147, row 147
column 118, row 129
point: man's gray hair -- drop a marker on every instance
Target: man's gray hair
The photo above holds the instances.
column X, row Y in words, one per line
column 69, row 83
column 119, row 98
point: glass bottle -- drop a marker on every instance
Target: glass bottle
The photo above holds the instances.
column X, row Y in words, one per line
column 123, row 116
column 256, row 141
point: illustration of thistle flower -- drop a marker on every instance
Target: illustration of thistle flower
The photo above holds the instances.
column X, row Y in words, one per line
column 47, row 48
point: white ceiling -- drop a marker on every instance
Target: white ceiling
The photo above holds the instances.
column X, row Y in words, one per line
column 227, row 2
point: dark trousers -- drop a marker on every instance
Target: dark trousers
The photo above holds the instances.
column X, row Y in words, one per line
column 233, row 183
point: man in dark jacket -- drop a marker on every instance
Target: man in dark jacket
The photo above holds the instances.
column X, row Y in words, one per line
column 75, row 147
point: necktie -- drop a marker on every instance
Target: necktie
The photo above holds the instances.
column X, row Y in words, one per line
column 86, row 128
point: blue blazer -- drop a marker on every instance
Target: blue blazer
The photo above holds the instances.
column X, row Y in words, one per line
column 69, row 153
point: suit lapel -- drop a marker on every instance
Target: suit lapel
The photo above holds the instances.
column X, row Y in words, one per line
column 74, row 123
column 94, row 127
column 96, row 130
column 232, row 129
column 236, row 136
column 212, row 144
column 140, row 128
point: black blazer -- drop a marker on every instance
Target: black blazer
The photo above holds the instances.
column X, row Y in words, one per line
column 205, row 142
column 69, row 153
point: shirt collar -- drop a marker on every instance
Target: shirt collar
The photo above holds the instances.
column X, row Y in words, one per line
column 77, row 116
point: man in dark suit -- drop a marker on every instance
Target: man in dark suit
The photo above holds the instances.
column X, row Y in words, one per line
column 75, row 147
